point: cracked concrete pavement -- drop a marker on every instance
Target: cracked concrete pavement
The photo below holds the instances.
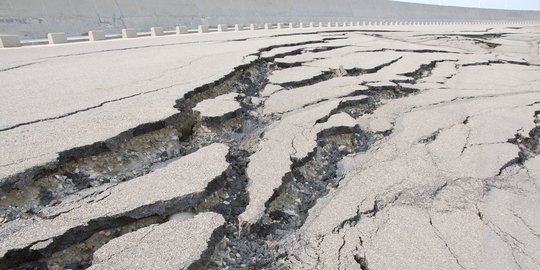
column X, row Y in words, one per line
column 408, row 148
column 171, row 252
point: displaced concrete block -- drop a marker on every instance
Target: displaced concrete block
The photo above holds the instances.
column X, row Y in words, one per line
column 129, row 33
column 96, row 35
column 57, row 38
column 268, row 26
column 180, row 30
column 7, row 41
column 222, row 28
column 156, row 31
column 253, row 27
column 203, row 28
column 238, row 27
column 156, row 242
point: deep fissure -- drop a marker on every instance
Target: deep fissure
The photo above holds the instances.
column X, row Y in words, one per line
column 74, row 249
column 257, row 246
column 233, row 245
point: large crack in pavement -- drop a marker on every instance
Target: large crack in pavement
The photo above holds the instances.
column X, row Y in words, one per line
column 90, row 176
column 92, row 171
column 259, row 245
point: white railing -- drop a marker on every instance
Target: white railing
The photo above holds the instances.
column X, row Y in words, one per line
column 7, row 41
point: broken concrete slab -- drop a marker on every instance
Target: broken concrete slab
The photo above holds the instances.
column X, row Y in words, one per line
column 281, row 51
column 448, row 200
column 156, row 84
column 333, row 176
column 296, row 98
column 337, row 50
column 295, row 74
column 176, row 186
column 219, row 107
column 171, row 245
column 339, row 120
column 294, row 137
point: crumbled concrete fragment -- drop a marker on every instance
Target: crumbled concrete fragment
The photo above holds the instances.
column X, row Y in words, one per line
column 339, row 120
column 295, row 135
column 219, row 106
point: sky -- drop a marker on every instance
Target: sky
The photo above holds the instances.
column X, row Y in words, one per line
column 499, row 4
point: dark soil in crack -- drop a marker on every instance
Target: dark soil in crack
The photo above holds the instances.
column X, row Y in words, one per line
column 151, row 144
column 529, row 147
column 259, row 246
column 232, row 246
column 310, row 180
column 225, row 195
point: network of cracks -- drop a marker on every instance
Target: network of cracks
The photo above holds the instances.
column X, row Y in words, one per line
column 234, row 245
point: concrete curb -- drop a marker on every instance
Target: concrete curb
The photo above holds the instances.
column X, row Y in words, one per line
column 9, row 41
column 57, row 38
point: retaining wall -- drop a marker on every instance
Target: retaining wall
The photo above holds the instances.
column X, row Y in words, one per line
column 35, row 18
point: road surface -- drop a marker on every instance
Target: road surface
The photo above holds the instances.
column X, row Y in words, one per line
column 391, row 147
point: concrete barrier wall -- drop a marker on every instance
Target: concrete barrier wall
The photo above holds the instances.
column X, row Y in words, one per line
column 35, row 18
